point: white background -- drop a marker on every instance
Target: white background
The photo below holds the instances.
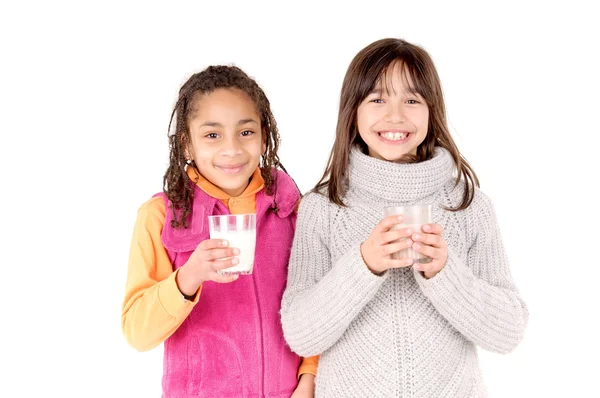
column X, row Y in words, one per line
column 86, row 93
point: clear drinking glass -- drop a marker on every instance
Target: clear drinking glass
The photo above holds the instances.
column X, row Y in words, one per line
column 414, row 218
column 240, row 231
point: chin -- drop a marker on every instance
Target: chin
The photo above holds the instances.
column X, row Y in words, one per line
column 237, row 181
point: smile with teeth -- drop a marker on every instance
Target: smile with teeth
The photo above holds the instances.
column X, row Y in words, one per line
column 394, row 135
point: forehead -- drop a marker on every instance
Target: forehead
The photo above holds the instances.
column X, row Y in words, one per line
column 396, row 78
column 223, row 103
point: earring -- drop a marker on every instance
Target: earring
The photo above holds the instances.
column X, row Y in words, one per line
column 188, row 161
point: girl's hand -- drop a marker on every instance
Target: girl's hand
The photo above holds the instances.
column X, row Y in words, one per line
column 306, row 387
column 210, row 256
column 382, row 242
column 432, row 244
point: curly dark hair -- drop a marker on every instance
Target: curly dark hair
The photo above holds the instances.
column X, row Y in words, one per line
column 176, row 184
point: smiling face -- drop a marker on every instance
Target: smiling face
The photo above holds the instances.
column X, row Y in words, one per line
column 226, row 139
column 393, row 119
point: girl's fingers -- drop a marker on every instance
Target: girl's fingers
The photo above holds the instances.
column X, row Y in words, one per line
column 214, row 254
column 396, row 234
column 396, row 246
column 218, row 265
column 429, row 239
column 392, row 263
column 209, row 244
column 429, row 251
column 432, row 244
column 387, row 223
column 433, row 229
column 432, row 267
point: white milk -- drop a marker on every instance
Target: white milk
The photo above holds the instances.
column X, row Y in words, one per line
column 243, row 240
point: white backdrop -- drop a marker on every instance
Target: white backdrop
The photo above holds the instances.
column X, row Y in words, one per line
column 86, row 92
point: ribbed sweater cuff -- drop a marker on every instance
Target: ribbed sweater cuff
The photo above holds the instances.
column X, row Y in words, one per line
column 447, row 282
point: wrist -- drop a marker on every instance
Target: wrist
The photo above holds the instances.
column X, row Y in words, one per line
column 188, row 286
column 428, row 275
column 306, row 381
column 373, row 270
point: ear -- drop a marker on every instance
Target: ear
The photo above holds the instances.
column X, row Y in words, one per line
column 186, row 148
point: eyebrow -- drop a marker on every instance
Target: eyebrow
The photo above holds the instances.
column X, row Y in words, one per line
column 239, row 123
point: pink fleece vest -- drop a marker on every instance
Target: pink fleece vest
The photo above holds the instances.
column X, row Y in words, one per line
column 232, row 345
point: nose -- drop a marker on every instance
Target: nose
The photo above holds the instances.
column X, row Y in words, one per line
column 231, row 147
column 395, row 113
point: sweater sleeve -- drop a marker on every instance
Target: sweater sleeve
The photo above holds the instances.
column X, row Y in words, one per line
column 308, row 365
column 477, row 295
column 322, row 298
column 153, row 307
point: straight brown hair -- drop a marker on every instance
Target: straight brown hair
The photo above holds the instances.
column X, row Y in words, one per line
column 366, row 71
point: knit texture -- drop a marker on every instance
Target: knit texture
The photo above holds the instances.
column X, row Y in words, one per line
column 399, row 334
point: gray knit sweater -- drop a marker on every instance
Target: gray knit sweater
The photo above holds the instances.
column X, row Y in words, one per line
column 399, row 334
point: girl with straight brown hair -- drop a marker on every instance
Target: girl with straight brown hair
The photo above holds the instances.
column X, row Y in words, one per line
column 389, row 327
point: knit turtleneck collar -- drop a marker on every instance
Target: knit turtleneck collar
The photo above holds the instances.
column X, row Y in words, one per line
column 399, row 182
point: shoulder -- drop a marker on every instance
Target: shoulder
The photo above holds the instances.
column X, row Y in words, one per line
column 285, row 183
column 316, row 207
column 482, row 214
column 153, row 209
column 481, row 201
column 286, row 193
column 316, row 199
column 479, row 216
column 454, row 194
column 314, row 215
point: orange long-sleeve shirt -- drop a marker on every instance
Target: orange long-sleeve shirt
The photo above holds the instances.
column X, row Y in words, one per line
column 154, row 307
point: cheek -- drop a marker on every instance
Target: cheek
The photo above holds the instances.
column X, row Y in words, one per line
column 425, row 119
column 203, row 153
column 363, row 129
column 363, row 121
column 419, row 118
column 255, row 149
column 372, row 115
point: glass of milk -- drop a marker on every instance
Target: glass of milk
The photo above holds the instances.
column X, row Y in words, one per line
column 240, row 231
column 414, row 218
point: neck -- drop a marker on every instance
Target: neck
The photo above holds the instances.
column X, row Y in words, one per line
column 234, row 193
